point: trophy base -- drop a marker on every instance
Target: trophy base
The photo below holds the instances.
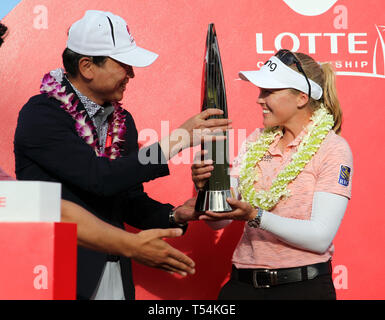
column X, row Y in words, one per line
column 213, row 201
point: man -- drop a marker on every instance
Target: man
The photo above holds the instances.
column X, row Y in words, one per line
column 77, row 134
column 145, row 247
column 3, row 34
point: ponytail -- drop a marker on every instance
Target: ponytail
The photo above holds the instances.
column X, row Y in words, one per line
column 324, row 75
column 330, row 98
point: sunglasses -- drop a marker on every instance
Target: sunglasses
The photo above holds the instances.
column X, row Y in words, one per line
column 288, row 58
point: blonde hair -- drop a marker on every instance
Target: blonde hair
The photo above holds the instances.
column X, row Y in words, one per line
column 324, row 75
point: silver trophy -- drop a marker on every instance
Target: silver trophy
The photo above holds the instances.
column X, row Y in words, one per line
column 217, row 189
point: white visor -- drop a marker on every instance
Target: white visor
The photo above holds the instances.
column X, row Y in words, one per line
column 274, row 74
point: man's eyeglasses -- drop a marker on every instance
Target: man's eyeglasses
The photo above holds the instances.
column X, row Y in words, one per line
column 288, row 58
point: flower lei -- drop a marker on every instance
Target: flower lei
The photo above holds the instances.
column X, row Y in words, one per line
column 86, row 129
column 322, row 123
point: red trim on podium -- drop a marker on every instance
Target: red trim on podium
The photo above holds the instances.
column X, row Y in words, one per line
column 38, row 261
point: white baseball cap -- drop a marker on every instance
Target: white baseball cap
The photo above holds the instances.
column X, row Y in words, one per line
column 101, row 33
column 274, row 74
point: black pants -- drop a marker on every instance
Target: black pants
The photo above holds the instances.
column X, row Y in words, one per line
column 319, row 288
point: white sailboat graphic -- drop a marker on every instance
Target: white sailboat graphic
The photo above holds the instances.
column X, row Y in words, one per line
column 375, row 72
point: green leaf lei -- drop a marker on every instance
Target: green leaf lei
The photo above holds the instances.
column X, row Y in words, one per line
column 322, row 123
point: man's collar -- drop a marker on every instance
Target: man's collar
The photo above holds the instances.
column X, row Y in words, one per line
column 91, row 107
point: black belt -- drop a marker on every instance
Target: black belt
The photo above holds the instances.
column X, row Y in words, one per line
column 265, row 278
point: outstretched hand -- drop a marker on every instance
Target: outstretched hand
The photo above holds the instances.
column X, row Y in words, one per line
column 153, row 251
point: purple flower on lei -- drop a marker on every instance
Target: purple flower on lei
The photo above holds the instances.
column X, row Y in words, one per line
column 86, row 129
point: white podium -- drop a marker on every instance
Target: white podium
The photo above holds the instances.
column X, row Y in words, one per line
column 38, row 251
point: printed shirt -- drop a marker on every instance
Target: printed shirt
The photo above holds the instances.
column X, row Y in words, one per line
column 330, row 170
column 110, row 285
column 98, row 114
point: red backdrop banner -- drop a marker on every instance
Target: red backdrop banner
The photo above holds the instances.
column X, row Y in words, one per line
column 350, row 34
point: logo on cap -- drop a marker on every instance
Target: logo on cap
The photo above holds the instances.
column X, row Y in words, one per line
column 272, row 65
column 129, row 34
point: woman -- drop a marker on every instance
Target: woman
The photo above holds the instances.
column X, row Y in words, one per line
column 294, row 181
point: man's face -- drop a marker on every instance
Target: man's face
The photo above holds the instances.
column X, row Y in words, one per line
column 110, row 80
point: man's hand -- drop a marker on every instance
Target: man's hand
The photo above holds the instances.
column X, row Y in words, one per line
column 146, row 247
column 154, row 252
column 194, row 131
column 186, row 212
column 200, row 127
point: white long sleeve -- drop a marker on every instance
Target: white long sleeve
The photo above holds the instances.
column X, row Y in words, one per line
column 315, row 234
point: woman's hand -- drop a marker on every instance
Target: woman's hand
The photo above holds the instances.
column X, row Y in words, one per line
column 201, row 169
column 242, row 211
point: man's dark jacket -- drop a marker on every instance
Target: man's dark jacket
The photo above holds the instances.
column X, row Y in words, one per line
column 48, row 148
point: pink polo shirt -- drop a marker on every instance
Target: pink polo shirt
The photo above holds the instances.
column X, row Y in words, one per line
column 330, row 170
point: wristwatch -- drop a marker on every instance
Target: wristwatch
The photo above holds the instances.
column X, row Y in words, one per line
column 171, row 218
column 256, row 222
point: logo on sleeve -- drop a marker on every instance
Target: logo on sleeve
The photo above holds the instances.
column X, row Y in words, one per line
column 344, row 175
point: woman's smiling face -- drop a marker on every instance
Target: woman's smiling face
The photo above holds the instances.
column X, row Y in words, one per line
column 279, row 106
